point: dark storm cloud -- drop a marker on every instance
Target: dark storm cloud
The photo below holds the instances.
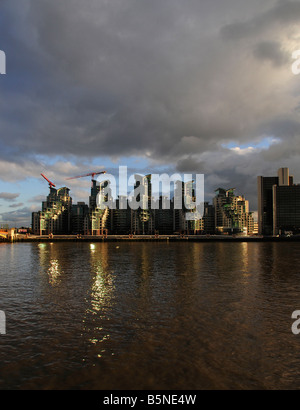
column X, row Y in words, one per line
column 115, row 78
column 271, row 51
column 149, row 78
column 284, row 12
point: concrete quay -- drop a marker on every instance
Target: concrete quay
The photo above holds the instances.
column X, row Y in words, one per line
column 151, row 238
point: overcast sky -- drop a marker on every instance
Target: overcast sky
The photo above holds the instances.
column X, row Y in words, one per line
column 189, row 86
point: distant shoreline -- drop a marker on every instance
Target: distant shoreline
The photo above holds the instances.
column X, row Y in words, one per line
column 152, row 238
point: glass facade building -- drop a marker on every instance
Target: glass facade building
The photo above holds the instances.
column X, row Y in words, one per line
column 278, row 204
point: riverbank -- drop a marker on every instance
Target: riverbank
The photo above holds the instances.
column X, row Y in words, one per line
column 151, row 238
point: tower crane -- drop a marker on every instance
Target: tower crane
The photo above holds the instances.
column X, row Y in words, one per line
column 51, row 185
column 91, row 174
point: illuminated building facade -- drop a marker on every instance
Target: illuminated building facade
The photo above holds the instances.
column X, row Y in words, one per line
column 232, row 214
column 278, row 204
column 55, row 216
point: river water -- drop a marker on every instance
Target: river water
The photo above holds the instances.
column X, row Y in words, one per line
column 149, row 315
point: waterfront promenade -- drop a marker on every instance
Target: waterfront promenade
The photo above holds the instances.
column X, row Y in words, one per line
column 149, row 238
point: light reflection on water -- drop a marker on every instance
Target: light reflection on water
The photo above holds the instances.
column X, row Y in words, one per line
column 147, row 315
column 101, row 297
column 54, row 272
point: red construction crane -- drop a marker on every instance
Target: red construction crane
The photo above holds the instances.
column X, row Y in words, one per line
column 91, row 174
column 51, row 185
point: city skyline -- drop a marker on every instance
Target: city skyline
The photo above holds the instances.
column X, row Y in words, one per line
column 115, row 197
column 25, row 221
column 157, row 87
column 169, row 204
column 143, row 211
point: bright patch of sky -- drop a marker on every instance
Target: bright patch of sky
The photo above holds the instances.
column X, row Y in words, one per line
column 264, row 143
